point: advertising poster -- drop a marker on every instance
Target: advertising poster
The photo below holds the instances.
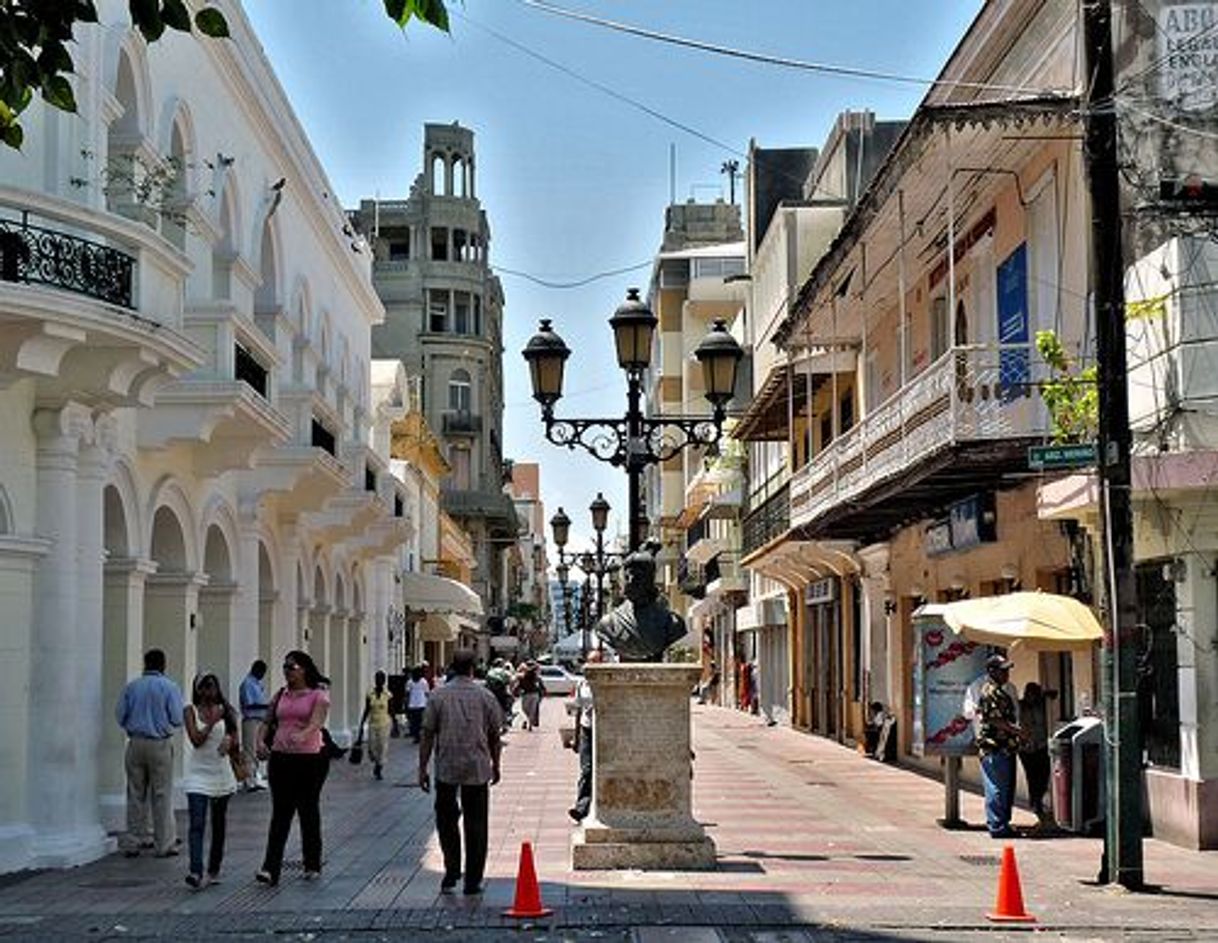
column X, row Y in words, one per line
column 946, row 665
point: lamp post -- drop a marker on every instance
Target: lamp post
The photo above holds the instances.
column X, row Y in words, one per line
column 564, row 573
column 634, row 441
column 596, row 563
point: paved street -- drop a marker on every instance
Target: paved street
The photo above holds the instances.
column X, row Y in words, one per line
column 815, row 843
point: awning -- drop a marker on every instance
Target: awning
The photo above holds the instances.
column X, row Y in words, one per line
column 425, row 592
column 439, row 627
column 1040, row 621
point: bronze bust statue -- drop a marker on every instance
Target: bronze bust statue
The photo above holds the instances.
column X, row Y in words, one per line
column 642, row 627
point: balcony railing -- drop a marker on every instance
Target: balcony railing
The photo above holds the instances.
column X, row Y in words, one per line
column 767, row 521
column 970, row 394
column 37, row 255
column 461, row 422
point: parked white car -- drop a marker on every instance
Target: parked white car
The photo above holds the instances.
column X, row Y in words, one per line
column 558, row 680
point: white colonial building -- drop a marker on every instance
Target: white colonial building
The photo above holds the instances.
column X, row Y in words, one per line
column 184, row 405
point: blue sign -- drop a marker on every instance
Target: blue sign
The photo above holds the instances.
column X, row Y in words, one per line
column 1014, row 366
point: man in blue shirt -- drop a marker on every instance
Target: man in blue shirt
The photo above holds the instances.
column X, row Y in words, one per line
column 150, row 711
column 254, row 707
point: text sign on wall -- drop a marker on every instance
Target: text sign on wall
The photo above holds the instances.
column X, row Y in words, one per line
column 1187, row 54
column 1014, row 368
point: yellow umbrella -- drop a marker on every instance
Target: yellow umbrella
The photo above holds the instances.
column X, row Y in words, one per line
column 1042, row 621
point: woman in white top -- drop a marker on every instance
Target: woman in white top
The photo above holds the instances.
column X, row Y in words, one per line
column 417, row 690
column 211, row 738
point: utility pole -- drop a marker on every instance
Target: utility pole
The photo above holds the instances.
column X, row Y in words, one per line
column 731, row 168
column 1123, row 845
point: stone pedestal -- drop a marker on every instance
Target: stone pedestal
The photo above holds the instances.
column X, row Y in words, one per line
column 642, row 770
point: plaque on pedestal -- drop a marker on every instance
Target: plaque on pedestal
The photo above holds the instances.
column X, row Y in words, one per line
column 642, row 769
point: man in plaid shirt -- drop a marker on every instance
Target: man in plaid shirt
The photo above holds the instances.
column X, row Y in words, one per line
column 461, row 724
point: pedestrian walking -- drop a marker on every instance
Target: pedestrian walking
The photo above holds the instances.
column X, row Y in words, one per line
column 208, row 781
column 417, row 692
column 531, row 691
column 461, row 725
column 253, row 702
column 1034, row 749
column 990, row 702
column 150, row 711
column 380, row 722
column 583, row 743
column 297, row 767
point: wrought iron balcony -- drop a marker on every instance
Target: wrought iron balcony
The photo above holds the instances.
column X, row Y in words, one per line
column 462, row 422
column 975, row 394
column 41, row 256
column 767, row 521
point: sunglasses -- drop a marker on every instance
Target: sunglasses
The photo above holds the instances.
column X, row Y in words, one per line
column 290, row 666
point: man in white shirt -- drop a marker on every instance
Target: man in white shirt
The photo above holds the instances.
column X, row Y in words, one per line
column 583, row 743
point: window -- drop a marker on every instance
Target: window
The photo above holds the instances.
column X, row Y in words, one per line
column 460, row 391
column 845, row 412
column 399, row 249
column 478, row 315
column 826, row 430
column 322, row 438
column 1158, row 691
column 439, row 244
column 369, row 479
column 249, row 370
column 460, row 249
column 461, row 312
column 938, row 328
column 437, row 311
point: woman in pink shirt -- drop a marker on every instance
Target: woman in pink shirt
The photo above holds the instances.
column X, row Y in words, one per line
column 297, row 767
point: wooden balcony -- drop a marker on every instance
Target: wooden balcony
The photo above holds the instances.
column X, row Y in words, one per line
column 962, row 421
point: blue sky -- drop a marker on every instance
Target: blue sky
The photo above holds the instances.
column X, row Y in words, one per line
column 575, row 181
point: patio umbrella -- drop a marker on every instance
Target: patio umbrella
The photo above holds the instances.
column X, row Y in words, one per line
column 1043, row 621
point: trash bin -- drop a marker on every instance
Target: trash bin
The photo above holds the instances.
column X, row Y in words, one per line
column 1076, row 755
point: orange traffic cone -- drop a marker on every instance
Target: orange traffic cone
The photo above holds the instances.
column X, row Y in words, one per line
column 1008, row 907
column 528, row 894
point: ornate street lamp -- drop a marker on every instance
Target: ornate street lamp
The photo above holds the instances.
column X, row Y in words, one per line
column 634, row 441
column 560, row 527
column 599, row 509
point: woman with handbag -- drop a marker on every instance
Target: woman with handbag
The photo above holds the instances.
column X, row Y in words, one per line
column 380, row 722
column 292, row 738
column 212, row 752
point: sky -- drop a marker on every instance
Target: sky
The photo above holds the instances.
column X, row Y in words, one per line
column 573, row 178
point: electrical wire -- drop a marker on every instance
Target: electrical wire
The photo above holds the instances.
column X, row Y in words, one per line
column 781, row 61
column 577, row 283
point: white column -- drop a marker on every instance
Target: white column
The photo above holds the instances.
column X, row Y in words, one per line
column 244, row 644
column 94, row 714
column 334, row 666
column 122, row 660
column 62, row 837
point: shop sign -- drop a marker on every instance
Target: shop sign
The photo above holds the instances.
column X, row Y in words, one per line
column 820, row 592
column 1187, row 54
column 969, row 523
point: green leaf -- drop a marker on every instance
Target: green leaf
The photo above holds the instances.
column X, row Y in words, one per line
column 398, row 11
column 12, row 135
column 58, row 92
column 54, row 58
column 431, row 11
column 146, row 16
column 211, row 23
column 175, row 15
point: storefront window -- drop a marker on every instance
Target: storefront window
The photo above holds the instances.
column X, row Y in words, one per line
column 1158, row 683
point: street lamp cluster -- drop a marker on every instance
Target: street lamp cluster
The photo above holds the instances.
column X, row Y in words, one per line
column 634, row 441
column 599, row 564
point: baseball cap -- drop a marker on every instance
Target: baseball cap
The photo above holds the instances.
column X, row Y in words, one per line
column 995, row 662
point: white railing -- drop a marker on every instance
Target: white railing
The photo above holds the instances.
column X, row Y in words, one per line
column 972, row 393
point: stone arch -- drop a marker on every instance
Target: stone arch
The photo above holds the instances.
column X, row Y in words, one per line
column 127, row 159
column 269, row 294
column 218, row 514
column 178, row 144
column 460, row 184
column 438, row 178
column 168, row 498
column 460, row 390
column 127, row 78
column 227, row 248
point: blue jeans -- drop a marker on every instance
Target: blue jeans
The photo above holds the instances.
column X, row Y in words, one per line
column 198, row 805
column 998, row 772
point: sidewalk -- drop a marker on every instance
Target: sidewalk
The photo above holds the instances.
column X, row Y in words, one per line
column 810, row 835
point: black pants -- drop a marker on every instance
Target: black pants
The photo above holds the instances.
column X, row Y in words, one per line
column 1036, row 771
column 474, row 807
column 414, row 715
column 583, row 794
column 296, row 780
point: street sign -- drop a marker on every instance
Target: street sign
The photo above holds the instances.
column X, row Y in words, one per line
column 1048, row 457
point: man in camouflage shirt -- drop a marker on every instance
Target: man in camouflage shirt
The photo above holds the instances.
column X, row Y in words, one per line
column 998, row 737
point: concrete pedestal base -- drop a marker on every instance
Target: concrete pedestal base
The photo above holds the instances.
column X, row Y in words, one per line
column 642, row 767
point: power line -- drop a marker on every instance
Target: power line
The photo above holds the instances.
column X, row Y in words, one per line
column 781, row 61
column 578, row 283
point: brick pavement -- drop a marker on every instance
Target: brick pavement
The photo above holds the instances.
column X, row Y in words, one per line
column 810, row 835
